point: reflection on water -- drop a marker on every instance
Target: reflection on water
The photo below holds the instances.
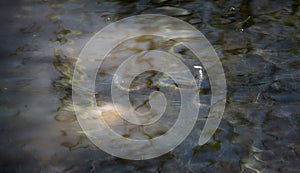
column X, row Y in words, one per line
column 146, row 83
column 257, row 41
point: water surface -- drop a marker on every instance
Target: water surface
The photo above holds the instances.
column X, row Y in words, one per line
column 257, row 42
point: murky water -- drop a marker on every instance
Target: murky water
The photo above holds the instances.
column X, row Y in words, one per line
column 258, row 43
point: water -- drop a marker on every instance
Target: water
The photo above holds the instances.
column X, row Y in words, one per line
column 257, row 41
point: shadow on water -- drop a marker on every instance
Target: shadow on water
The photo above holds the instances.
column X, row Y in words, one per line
column 257, row 41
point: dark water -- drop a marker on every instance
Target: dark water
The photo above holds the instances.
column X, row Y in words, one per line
column 258, row 43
